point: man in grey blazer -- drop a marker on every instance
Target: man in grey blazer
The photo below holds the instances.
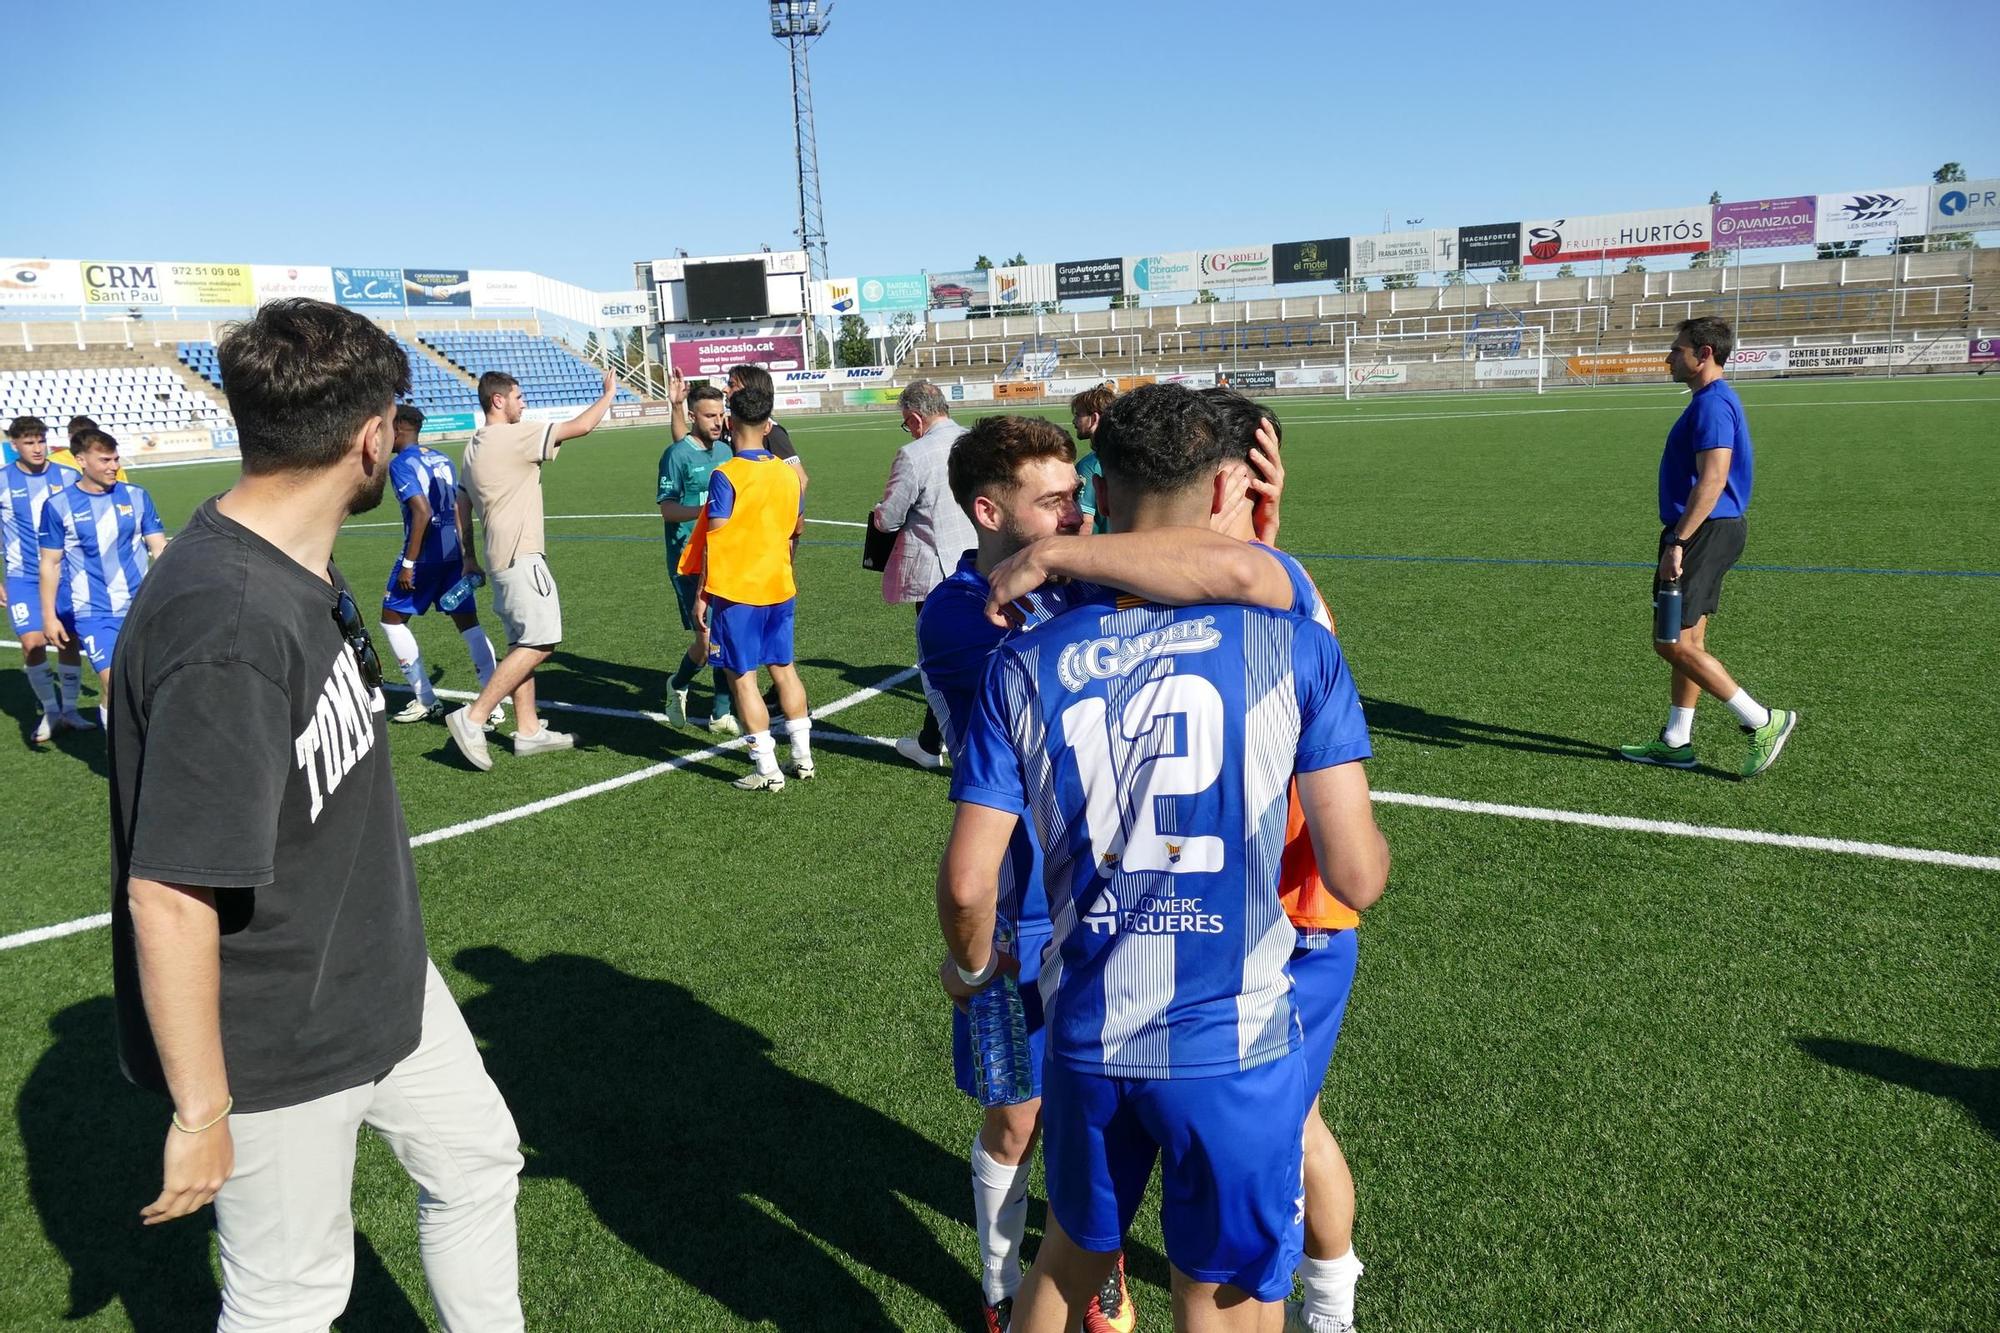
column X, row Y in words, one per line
column 932, row 532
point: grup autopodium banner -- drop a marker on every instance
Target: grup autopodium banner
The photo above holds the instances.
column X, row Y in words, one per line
column 1655, row 231
column 1080, row 279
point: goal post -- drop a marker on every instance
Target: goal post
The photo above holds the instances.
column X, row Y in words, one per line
column 1510, row 357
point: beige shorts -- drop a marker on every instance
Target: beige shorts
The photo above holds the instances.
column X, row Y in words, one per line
column 524, row 594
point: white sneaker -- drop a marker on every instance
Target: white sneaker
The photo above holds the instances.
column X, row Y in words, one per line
column 677, row 708
column 548, row 738
column 755, row 781
column 726, row 725
column 1296, row 1321
column 469, row 739
column 908, row 747
column 75, row 721
column 416, row 710
column 803, row 769
column 44, row 729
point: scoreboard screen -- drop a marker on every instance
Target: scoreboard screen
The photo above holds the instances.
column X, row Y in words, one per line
column 731, row 290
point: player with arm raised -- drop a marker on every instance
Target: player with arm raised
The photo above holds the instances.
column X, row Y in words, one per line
column 435, row 556
column 502, row 476
column 1152, row 750
column 26, row 483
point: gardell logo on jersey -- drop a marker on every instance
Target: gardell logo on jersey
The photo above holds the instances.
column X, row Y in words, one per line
column 1546, row 242
column 1101, row 659
column 341, row 733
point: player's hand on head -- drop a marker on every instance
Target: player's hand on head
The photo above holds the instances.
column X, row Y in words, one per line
column 1267, row 486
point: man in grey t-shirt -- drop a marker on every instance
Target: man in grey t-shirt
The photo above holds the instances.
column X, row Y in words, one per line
column 267, row 941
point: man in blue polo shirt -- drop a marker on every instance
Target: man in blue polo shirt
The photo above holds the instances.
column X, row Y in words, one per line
column 1704, row 495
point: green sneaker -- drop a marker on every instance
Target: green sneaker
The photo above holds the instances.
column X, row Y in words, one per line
column 1657, row 751
column 1768, row 741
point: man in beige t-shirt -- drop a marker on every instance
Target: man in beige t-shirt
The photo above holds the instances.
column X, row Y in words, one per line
column 502, row 477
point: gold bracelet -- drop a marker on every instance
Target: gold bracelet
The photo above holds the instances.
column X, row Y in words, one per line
column 228, row 1105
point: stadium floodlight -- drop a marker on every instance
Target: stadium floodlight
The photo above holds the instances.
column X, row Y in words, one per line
column 798, row 24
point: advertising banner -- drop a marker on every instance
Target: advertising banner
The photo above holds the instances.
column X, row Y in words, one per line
column 868, row 397
column 1757, row 223
column 838, row 375
column 273, row 282
column 797, row 402
column 437, row 288
column 1489, row 245
column 1432, row 250
column 449, row 423
column 1247, row 267
column 637, row 411
column 1175, row 272
column 1983, row 350
column 1509, row 368
column 837, row 296
column 708, row 357
column 1376, row 373
column 1310, row 261
column 893, row 291
column 1864, row 356
column 960, row 289
column 1069, row 386
column 164, row 443
column 1965, row 206
column 1860, row 215
column 41, row 282
column 968, row 393
column 1006, row 389
column 1598, row 365
column 1655, row 231
column 502, row 289
column 1020, row 286
column 620, row 310
column 1244, row 381
column 129, row 283
column 1077, row 279
column 1127, row 383
column 1307, row 377
column 368, row 288
column 1747, row 359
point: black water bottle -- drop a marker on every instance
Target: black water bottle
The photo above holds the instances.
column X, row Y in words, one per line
column 1667, row 612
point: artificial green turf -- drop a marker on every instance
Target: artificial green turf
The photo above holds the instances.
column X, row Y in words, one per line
column 1590, row 1079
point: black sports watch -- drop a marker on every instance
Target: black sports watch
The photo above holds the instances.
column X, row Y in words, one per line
column 1679, row 541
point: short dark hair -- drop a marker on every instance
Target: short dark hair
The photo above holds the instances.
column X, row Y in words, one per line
column 301, row 377
column 494, row 384
column 1710, row 332
column 702, row 393
column 987, row 458
column 80, row 424
column 1159, row 439
column 751, row 406
column 1237, row 416
column 91, row 439
column 1092, row 401
column 409, row 414
column 749, row 376
column 20, row 426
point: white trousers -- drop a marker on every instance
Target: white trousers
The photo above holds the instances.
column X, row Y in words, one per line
column 285, row 1217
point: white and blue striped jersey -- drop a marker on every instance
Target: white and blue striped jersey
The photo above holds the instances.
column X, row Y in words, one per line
column 103, row 541
column 21, row 504
column 418, row 470
column 1153, row 749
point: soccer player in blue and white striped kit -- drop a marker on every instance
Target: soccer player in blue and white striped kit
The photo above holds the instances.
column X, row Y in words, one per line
column 1151, row 749
column 26, row 482
column 97, row 537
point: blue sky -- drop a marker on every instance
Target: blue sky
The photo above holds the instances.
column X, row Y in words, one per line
column 572, row 139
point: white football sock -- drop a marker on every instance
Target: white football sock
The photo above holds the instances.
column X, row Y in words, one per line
column 1329, row 1290
column 763, row 753
column 1000, row 1211
column 798, row 730
column 70, row 676
column 43, row 682
column 411, row 658
column 1748, row 711
column 1680, row 726
column 481, row 649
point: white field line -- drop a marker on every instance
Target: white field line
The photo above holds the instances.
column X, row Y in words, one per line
column 641, row 714
column 652, row 514
column 860, row 696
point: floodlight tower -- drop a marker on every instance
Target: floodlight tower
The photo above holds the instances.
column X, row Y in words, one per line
column 798, row 24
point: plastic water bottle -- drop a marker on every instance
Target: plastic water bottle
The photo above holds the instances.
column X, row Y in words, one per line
column 1667, row 612
column 1002, row 1073
column 455, row 596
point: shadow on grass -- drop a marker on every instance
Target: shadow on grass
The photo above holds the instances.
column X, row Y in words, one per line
column 707, row 1157
column 93, row 1146
column 1406, row 722
column 1977, row 1091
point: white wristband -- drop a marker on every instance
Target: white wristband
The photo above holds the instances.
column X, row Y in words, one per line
column 983, row 975
column 409, row 564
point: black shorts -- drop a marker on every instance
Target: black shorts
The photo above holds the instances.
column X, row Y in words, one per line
column 1714, row 550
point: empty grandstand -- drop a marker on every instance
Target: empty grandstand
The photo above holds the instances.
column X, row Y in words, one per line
column 123, row 399
column 550, row 374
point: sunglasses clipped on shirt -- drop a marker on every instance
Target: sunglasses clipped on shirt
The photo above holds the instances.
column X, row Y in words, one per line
column 348, row 616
